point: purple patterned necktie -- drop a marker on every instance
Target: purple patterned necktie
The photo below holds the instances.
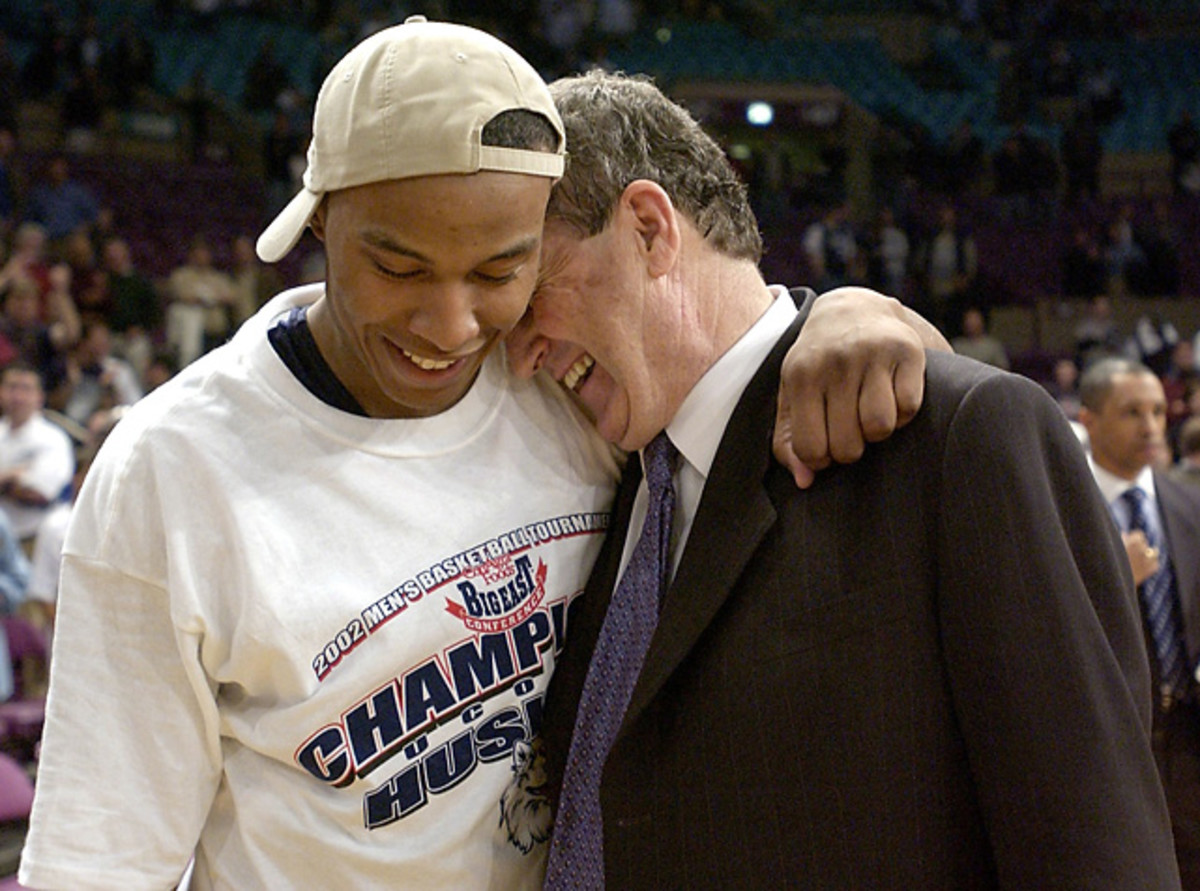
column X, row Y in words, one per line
column 577, row 846
column 1158, row 600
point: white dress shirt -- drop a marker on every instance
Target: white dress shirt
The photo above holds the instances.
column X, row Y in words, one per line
column 698, row 426
column 1112, row 487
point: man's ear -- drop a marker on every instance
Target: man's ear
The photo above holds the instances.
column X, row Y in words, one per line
column 655, row 222
column 1087, row 418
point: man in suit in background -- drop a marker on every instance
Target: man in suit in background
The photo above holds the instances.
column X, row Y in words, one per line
column 925, row 671
column 1125, row 413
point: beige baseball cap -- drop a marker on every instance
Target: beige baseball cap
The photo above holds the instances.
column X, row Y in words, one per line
column 412, row 100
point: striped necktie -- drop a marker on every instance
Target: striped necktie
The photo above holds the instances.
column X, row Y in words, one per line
column 577, row 846
column 1159, row 599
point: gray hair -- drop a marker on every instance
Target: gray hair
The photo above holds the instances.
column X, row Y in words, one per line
column 621, row 128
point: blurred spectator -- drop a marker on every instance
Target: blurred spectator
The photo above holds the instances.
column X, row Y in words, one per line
column 104, row 228
column 615, row 20
column 965, row 159
column 1064, row 387
column 9, row 352
column 1160, row 242
column 1178, row 380
column 1192, row 399
column 130, row 65
column 60, row 203
column 768, row 173
column 85, row 97
column 888, row 254
column 41, row 592
column 52, row 285
column 266, row 79
column 161, row 369
column 204, row 13
column 1153, row 342
column 8, row 183
column 22, row 327
column 198, row 104
column 47, row 69
column 14, row 576
column 58, row 308
column 1015, row 89
column 947, row 268
column 201, row 299
column 36, row 458
column 1097, row 335
column 28, row 258
column 1010, row 167
column 969, row 16
column 1025, row 174
column 85, row 49
column 976, row 343
column 89, row 284
column 1183, row 140
column 98, row 380
column 83, row 105
column 1083, row 271
column 831, row 248
column 1102, row 94
column 283, row 162
column 563, row 25
column 137, row 315
column 254, row 282
column 1123, row 256
column 1060, row 75
column 1081, row 152
column 1187, row 468
column 10, row 87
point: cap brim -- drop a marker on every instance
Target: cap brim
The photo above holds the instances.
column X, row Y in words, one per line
column 285, row 230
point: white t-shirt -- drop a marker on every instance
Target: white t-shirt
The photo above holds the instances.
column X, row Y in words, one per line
column 308, row 645
column 43, row 451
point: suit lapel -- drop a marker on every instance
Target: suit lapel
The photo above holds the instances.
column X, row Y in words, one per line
column 734, row 514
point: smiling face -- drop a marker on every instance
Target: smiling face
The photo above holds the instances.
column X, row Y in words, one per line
column 574, row 326
column 424, row 276
column 630, row 318
column 601, row 324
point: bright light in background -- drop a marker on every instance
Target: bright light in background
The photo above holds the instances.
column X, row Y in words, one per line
column 760, row 114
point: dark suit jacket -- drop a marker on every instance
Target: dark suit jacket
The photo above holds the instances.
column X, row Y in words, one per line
column 925, row 672
column 1176, row 734
column 1179, row 504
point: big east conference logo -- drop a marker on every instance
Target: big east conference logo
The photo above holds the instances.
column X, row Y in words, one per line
column 498, row 595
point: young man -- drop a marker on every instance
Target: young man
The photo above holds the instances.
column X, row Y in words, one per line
column 315, row 585
column 885, row 681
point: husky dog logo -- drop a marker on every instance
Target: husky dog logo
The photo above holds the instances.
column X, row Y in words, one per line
column 524, row 808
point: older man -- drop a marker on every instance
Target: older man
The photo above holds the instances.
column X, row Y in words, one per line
column 923, row 672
